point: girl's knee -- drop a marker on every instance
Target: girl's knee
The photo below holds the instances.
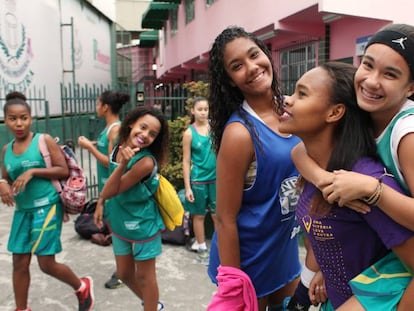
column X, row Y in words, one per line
column 46, row 264
column 21, row 262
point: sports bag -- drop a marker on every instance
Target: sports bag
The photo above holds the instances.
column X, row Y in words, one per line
column 72, row 190
column 170, row 206
column 85, row 225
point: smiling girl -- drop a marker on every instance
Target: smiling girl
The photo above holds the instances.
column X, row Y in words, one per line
column 256, row 197
column 132, row 211
column 337, row 134
column 384, row 85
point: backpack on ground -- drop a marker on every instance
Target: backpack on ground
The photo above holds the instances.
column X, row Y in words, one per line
column 85, row 225
column 180, row 235
column 72, row 191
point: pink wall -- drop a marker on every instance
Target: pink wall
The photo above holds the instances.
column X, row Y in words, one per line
column 196, row 38
column 344, row 33
column 294, row 22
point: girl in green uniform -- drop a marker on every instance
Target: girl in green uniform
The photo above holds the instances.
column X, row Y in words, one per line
column 199, row 173
column 133, row 216
column 108, row 107
column 38, row 215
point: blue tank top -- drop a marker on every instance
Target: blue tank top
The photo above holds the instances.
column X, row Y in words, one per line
column 266, row 222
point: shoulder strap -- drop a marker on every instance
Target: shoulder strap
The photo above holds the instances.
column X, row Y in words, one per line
column 44, row 151
column 111, row 126
column 48, row 161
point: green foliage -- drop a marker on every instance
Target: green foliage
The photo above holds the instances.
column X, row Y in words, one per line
column 173, row 171
column 196, row 89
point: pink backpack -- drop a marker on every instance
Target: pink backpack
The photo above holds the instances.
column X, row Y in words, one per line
column 72, row 191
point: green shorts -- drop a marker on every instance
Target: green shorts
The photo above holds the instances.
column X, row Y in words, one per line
column 327, row 306
column 381, row 286
column 141, row 251
column 204, row 199
column 37, row 231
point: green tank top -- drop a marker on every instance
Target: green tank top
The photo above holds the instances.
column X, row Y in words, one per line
column 133, row 214
column 384, row 149
column 39, row 192
column 203, row 158
column 102, row 145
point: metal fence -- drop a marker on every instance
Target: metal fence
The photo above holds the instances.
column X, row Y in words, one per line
column 78, row 117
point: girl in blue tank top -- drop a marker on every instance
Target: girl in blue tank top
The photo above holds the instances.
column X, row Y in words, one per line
column 134, row 216
column 256, row 198
column 38, row 215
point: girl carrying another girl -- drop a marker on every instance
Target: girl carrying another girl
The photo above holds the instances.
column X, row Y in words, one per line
column 384, row 86
column 337, row 134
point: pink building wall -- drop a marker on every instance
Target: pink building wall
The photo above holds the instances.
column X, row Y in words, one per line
column 282, row 23
column 345, row 32
column 195, row 38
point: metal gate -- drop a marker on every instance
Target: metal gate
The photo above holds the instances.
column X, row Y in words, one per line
column 78, row 117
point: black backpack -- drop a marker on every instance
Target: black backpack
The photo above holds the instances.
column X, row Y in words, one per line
column 84, row 224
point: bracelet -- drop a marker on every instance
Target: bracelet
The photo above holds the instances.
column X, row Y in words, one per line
column 374, row 198
column 3, row 181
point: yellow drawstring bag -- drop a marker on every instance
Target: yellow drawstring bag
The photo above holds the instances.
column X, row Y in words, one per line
column 170, row 206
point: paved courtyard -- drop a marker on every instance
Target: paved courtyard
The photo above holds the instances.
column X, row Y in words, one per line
column 183, row 282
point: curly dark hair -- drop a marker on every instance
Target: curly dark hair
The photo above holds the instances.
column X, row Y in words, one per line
column 160, row 146
column 15, row 98
column 224, row 98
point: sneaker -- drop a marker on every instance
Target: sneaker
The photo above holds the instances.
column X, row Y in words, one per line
column 27, row 309
column 160, row 306
column 113, row 282
column 203, row 256
column 192, row 245
column 85, row 295
column 291, row 304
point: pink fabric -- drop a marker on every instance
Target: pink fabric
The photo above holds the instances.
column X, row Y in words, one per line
column 235, row 291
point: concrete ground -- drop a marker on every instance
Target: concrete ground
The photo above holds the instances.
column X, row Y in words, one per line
column 183, row 282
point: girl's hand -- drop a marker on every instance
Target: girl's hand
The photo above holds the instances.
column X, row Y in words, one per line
column 189, row 195
column 126, row 153
column 349, row 186
column 98, row 215
column 20, row 183
column 317, row 290
column 6, row 194
column 85, row 143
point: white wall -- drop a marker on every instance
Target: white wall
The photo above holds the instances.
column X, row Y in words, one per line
column 34, row 49
column 398, row 11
